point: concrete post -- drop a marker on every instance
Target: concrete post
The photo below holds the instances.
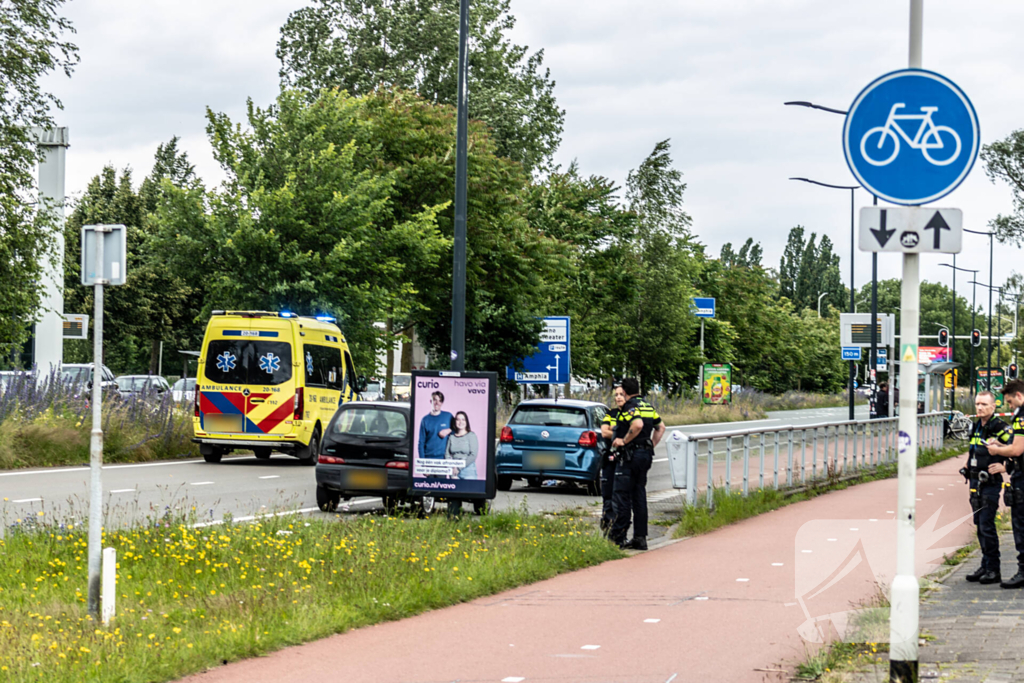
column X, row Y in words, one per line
column 48, row 339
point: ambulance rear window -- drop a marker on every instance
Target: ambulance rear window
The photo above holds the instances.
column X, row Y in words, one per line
column 248, row 361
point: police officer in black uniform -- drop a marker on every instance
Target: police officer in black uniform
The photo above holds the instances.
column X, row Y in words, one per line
column 1013, row 491
column 638, row 431
column 608, row 461
column 986, row 483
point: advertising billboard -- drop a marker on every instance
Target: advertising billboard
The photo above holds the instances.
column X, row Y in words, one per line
column 453, row 434
column 717, row 388
column 998, row 380
column 926, row 355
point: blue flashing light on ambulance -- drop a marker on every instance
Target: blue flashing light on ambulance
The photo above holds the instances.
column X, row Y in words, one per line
column 269, row 381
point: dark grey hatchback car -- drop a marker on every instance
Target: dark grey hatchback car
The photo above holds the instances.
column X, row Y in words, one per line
column 365, row 452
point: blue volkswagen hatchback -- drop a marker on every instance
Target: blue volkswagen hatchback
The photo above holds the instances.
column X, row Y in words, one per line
column 549, row 439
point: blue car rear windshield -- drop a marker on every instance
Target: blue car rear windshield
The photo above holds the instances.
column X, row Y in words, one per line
column 549, row 416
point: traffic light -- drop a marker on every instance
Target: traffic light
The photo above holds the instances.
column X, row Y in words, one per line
column 1011, row 371
column 943, row 336
column 975, row 337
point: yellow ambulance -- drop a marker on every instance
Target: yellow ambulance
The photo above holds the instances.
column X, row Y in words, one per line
column 269, row 382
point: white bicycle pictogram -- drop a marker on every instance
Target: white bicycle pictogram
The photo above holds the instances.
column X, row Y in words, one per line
column 928, row 137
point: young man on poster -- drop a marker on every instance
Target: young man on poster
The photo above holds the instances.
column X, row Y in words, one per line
column 434, row 429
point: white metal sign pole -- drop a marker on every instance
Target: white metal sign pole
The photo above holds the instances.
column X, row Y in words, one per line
column 905, row 596
column 96, row 442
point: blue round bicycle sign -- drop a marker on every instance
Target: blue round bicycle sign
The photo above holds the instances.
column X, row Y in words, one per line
column 911, row 136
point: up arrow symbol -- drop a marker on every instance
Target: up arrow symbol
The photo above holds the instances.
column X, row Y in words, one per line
column 938, row 224
column 880, row 233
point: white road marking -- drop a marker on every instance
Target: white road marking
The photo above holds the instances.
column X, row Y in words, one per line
column 833, row 539
column 27, row 500
column 788, row 604
column 277, row 476
column 927, row 494
column 890, row 512
column 853, row 528
column 200, row 483
column 513, row 679
column 805, row 551
column 651, row 621
column 872, row 520
column 249, row 518
column 776, row 564
column 702, row 597
column 591, row 647
column 122, row 490
column 742, row 580
column 671, row 678
column 59, row 470
column 940, row 488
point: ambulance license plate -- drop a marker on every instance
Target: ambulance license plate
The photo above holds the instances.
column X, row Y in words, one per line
column 224, row 424
column 365, row 479
column 544, row 460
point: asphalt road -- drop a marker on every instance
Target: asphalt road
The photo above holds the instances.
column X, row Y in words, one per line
column 243, row 486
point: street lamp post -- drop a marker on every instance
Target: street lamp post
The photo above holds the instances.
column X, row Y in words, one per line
column 991, row 251
column 458, row 351
column 951, row 343
column 853, row 305
column 819, row 302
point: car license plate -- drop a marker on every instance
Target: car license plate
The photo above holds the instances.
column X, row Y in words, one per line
column 543, row 460
column 231, row 424
column 365, row 479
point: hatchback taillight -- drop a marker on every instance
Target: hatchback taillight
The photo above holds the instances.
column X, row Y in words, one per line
column 588, row 439
column 298, row 406
column 398, row 465
column 330, row 460
column 506, row 434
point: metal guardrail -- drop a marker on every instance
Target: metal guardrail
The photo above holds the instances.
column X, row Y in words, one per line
column 793, row 448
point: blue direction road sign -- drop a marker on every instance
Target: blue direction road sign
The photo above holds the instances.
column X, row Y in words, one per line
column 911, row 136
column 703, row 307
column 851, row 353
column 550, row 365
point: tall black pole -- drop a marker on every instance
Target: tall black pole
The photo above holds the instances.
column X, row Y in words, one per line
column 952, row 343
column 458, row 354
column 852, row 295
column 988, row 361
column 974, row 308
column 873, row 360
column 999, row 331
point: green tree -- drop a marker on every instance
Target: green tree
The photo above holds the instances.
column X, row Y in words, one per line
column 153, row 305
column 808, row 270
column 1004, row 161
column 749, row 255
column 360, row 45
column 33, row 47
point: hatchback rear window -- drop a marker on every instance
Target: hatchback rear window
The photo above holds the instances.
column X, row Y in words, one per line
column 248, row 361
column 550, row 416
column 377, row 422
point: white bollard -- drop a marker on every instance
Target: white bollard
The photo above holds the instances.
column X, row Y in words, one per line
column 677, row 443
column 108, row 599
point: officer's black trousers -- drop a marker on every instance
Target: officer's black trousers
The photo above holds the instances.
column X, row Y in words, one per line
column 985, row 519
column 607, row 491
column 1017, row 517
column 630, row 496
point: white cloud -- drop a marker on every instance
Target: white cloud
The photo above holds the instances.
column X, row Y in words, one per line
column 710, row 75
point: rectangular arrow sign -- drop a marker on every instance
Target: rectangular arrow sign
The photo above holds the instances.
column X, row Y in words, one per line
column 911, row 229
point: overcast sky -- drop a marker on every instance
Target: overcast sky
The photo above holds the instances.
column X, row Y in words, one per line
column 709, row 74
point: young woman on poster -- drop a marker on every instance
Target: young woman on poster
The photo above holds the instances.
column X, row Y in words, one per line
column 463, row 445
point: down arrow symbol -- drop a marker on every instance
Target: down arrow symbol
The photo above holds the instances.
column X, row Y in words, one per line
column 880, row 233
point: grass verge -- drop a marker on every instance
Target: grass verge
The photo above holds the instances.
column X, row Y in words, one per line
column 190, row 598
column 729, row 507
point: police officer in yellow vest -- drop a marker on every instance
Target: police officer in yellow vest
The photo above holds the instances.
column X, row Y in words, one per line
column 608, row 462
column 638, row 431
column 1013, row 491
column 983, row 473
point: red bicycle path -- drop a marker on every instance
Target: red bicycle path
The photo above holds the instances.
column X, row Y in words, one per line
column 715, row 607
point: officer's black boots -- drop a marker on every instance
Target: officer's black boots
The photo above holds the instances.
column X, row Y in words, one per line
column 638, row 543
column 990, row 577
column 1016, row 582
column 976, row 574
